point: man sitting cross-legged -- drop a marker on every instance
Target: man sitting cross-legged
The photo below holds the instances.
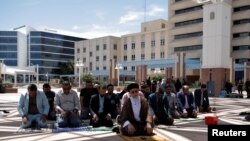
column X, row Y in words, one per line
column 67, row 105
column 100, row 109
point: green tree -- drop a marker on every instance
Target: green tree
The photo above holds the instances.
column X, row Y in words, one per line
column 88, row 77
column 67, row 68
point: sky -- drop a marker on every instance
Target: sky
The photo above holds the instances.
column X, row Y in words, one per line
column 91, row 18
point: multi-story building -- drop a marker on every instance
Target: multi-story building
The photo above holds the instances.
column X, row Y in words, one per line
column 98, row 56
column 48, row 49
column 101, row 56
column 185, row 33
column 190, row 36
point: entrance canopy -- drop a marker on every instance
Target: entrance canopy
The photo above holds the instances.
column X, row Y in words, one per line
column 192, row 63
column 17, row 70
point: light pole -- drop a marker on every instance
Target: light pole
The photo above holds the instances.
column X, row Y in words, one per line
column 79, row 65
column 37, row 74
column 118, row 67
column 47, row 76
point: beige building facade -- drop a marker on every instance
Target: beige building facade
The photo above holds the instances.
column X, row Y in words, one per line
column 98, row 56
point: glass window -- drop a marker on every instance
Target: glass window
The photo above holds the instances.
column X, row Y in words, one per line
column 41, row 55
column 190, row 9
column 241, row 21
column 115, row 46
column 97, row 47
column 8, row 47
column 133, row 57
column 6, row 54
column 190, row 22
column 242, row 8
column 142, row 44
column 133, row 45
column 142, row 56
column 125, row 58
column 8, row 39
column 8, row 33
column 125, row 47
column 90, row 54
column 133, row 68
column 188, row 48
column 188, row 35
column 153, row 43
column 35, row 40
column 97, row 58
column 104, row 46
column 84, row 50
column 162, row 42
column 52, row 49
column 104, row 58
column 153, row 55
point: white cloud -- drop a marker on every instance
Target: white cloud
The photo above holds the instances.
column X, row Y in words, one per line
column 131, row 16
column 155, row 10
column 76, row 27
column 134, row 16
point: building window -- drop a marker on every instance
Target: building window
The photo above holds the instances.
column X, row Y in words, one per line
column 163, row 26
column 190, row 9
column 97, row 47
column 125, row 68
column 125, row 47
column 115, row 46
column 83, row 60
column 153, row 55
column 162, row 69
column 152, row 69
column 97, row 58
column 97, row 68
column 133, row 45
column 242, row 34
column 142, row 56
column 162, row 55
column 90, row 54
column 187, row 48
column 153, row 43
column 142, row 44
column 78, row 50
column 104, row 67
column 241, row 21
column 104, row 58
column 90, row 66
column 104, row 46
column 125, row 58
column 133, row 57
column 243, row 8
column 188, row 35
column 84, row 50
column 115, row 57
column 162, row 42
column 133, row 68
column 190, row 22
column 242, row 47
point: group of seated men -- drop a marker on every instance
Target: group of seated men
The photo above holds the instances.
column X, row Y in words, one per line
column 137, row 111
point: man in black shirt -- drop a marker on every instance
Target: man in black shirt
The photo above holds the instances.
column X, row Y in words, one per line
column 50, row 96
column 85, row 96
column 114, row 100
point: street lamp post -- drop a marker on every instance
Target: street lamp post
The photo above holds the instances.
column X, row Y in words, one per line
column 37, row 74
column 79, row 65
column 47, row 76
column 118, row 67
